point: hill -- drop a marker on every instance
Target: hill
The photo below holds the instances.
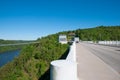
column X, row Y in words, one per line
column 99, row 33
column 34, row 60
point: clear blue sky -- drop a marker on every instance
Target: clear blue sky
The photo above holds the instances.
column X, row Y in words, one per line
column 30, row 19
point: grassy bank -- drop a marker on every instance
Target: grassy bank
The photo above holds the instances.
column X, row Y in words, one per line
column 10, row 48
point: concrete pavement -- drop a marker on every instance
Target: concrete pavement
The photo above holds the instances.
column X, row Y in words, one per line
column 109, row 55
column 90, row 67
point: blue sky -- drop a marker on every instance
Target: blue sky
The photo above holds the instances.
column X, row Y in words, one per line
column 31, row 19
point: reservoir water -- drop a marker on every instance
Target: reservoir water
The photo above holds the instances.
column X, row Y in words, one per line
column 6, row 57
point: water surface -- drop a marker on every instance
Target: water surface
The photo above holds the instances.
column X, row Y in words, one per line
column 6, row 57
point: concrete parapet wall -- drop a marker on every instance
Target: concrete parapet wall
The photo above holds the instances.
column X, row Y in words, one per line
column 115, row 43
column 65, row 69
column 111, row 43
column 72, row 53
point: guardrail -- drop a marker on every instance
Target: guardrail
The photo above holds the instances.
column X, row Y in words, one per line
column 65, row 69
column 114, row 43
column 109, row 43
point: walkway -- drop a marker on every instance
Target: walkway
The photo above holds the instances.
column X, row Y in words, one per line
column 91, row 67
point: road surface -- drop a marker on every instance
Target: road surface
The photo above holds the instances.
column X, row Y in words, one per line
column 110, row 55
column 97, row 62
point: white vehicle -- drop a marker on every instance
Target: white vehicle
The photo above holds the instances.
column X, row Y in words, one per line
column 76, row 39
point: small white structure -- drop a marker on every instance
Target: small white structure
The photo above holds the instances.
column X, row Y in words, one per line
column 76, row 39
column 63, row 39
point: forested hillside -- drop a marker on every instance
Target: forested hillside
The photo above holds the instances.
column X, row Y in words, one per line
column 34, row 60
column 99, row 33
column 95, row 34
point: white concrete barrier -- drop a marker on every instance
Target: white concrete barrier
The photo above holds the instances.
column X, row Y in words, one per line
column 114, row 43
column 72, row 53
column 65, row 69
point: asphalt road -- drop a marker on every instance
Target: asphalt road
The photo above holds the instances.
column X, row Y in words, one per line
column 110, row 55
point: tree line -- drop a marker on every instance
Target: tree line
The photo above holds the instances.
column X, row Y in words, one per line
column 12, row 47
column 2, row 41
column 99, row 33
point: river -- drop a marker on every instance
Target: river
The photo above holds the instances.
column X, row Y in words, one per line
column 6, row 57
